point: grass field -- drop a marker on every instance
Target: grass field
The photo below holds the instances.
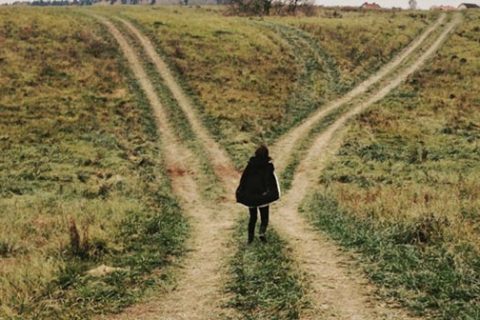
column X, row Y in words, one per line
column 403, row 189
column 82, row 179
column 247, row 74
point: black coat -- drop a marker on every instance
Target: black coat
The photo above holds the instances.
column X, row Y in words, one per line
column 258, row 185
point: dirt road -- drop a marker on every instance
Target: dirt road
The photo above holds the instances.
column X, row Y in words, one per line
column 199, row 292
column 336, row 293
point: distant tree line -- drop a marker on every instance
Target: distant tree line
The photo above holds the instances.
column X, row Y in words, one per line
column 267, row 7
column 90, row 2
column 247, row 7
column 42, row 3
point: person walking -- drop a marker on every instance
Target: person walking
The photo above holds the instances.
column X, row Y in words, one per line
column 258, row 188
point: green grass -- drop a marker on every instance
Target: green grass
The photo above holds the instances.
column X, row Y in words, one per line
column 79, row 144
column 264, row 281
column 429, row 278
column 403, row 189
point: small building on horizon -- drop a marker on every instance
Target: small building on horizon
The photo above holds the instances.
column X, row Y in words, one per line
column 370, row 6
column 464, row 6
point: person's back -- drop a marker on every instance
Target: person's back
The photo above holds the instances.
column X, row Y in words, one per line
column 258, row 188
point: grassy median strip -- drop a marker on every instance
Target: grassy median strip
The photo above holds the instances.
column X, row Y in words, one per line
column 302, row 147
column 264, row 281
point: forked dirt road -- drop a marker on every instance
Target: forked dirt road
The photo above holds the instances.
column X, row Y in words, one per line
column 284, row 146
column 336, row 292
column 198, row 294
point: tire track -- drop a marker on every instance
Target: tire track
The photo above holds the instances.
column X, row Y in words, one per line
column 283, row 148
column 198, row 294
column 223, row 166
column 337, row 293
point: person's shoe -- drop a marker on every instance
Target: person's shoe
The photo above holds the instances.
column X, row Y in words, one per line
column 263, row 238
column 250, row 240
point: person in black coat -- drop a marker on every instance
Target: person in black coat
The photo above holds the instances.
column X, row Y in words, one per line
column 258, row 189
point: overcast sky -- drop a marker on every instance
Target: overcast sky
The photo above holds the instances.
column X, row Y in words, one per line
column 423, row 4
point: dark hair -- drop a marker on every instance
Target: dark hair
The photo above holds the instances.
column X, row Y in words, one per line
column 262, row 152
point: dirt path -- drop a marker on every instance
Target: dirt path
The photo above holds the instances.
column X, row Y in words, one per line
column 223, row 166
column 283, row 148
column 337, row 293
column 199, row 292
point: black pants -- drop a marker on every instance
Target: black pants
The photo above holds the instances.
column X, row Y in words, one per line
column 253, row 221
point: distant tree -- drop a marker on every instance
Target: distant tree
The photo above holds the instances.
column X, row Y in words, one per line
column 50, row 3
column 267, row 7
column 412, row 4
column 252, row 7
column 293, row 5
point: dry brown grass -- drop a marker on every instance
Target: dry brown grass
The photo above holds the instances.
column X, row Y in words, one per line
column 78, row 148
